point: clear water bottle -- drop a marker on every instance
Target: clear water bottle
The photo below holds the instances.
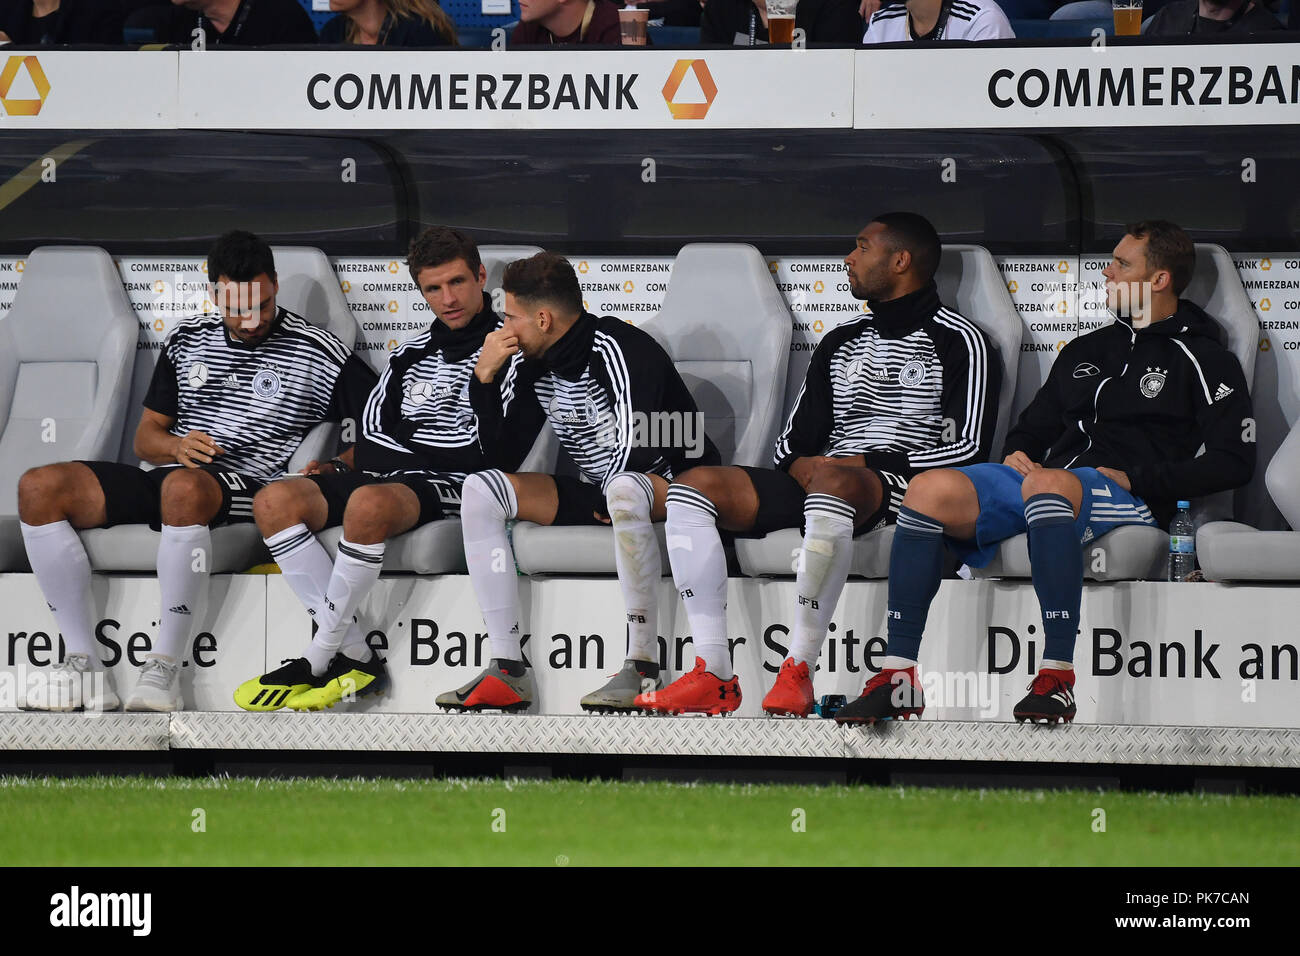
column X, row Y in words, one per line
column 1182, row 544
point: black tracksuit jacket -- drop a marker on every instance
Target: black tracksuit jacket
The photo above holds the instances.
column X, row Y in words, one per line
column 1144, row 401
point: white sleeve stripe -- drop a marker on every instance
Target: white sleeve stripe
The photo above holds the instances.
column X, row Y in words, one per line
column 977, row 384
column 1204, row 387
column 370, row 419
column 783, row 440
column 622, row 382
column 509, row 382
column 976, row 390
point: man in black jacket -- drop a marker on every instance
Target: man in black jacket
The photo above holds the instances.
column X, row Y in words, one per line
column 625, row 417
column 416, row 442
column 240, row 23
column 911, row 386
column 1110, row 439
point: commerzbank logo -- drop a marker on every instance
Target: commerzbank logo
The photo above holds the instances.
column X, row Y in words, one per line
column 690, row 111
column 23, row 107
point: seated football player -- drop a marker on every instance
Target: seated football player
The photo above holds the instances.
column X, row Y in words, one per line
column 417, row 441
column 911, row 386
column 232, row 396
column 594, row 379
column 1110, row 439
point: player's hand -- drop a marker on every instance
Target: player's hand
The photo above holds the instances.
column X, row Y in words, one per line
column 319, row 468
column 803, row 469
column 498, row 347
column 1021, row 463
column 1117, row 476
column 867, row 8
column 197, row 449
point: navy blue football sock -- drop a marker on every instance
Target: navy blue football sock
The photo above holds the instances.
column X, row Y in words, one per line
column 1057, row 562
column 915, row 567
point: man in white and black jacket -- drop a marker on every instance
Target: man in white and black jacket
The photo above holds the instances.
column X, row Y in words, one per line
column 1110, row 439
column 417, row 440
column 625, row 417
column 911, row 386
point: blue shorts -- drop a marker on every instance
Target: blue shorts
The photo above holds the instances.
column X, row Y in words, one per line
column 1105, row 506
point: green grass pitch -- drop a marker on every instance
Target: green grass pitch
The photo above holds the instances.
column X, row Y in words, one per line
column 251, row 822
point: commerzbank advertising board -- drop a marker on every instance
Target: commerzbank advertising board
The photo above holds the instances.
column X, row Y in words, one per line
column 1130, row 85
column 519, row 90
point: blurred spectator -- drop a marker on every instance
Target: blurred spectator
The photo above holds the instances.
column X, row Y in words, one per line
column 744, row 22
column 925, row 20
column 587, row 22
column 1209, row 18
column 239, row 23
column 48, row 22
column 389, row 23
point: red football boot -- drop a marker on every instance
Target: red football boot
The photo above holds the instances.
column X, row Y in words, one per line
column 792, row 694
column 698, row 692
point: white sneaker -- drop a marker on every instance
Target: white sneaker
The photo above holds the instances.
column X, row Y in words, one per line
column 159, row 687
column 71, row 684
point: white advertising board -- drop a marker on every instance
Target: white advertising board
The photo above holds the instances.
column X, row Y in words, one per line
column 83, row 89
column 582, row 89
column 1028, row 87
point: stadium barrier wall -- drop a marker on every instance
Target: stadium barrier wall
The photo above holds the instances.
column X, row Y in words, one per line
column 988, row 86
column 1149, row 653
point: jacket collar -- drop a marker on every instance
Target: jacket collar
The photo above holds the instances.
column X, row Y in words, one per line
column 569, row 355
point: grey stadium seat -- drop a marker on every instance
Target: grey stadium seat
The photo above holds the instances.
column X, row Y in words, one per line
column 734, row 363
column 437, row 547
column 969, row 280
column 66, row 350
column 1133, row 552
column 309, row 287
column 1230, row 551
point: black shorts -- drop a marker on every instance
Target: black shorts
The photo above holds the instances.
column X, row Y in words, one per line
column 780, row 501
column 578, row 500
column 134, row 496
column 439, row 496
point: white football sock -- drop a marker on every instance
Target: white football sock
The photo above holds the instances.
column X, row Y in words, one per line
column 1056, row 665
column 306, row 567
column 823, row 568
column 630, row 496
column 356, row 569
column 184, row 556
column 895, row 663
column 63, row 572
column 700, row 573
column 487, row 502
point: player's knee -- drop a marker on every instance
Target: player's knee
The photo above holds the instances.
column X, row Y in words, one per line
column 932, row 491
column 628, row 496
column 278, row 505
column 189, row 496
column 707, row 480
column 482, row 495
column 836, row 480
column 1049, row 481
column 40, row 493
column 368, row 515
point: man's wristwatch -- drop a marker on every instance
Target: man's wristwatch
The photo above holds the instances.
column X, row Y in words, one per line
column 340, row 465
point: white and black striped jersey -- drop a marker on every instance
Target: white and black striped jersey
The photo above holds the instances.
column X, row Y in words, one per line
column 912, row 386
column 958, row 20
column 256, row 401
column 419, row 418
column 613, row 397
